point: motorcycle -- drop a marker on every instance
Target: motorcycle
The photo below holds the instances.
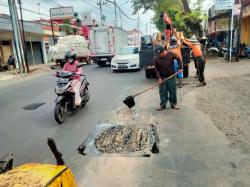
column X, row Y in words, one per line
column 65, row 101
column 244, row 50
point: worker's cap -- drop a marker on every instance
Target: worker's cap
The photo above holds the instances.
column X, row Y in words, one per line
column 204, row 38
column 173, row 39
column 159, row 49
column 193, row 39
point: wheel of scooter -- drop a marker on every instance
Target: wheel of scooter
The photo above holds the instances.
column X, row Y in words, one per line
column 60, row 112
column 84, row 102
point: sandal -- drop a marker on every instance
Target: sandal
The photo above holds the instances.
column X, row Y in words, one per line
column 175, row 107
column 201, row 84
column 160, row 108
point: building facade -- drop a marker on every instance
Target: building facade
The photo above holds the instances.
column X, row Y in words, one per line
column 134, row 37
column 245, row 23
column 37, row 35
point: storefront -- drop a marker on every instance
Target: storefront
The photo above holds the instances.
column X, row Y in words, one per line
column 245, row 24
column 37, row 36
column 5, row 50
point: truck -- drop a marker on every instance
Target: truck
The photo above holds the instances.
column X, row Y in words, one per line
column 147, row 56
column 104, row 43
column 75, row 43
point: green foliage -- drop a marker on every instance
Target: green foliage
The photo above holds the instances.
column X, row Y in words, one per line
column 143, row 4
column 183, row 18
column 67, row 27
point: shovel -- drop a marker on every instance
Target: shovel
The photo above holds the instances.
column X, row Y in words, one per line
column 130, row 101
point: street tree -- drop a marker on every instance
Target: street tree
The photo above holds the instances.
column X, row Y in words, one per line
column 184, row 18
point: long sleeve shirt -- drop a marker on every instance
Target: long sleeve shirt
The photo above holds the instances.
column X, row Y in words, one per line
column 197, row 52
column 164, row 66
column 73, row 68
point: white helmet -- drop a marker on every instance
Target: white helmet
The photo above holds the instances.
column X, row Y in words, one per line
column 193, row 39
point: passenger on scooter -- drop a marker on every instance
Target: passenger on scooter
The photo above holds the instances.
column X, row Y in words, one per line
column 71, row 66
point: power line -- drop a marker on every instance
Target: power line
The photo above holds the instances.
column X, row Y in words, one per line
column 26, row 10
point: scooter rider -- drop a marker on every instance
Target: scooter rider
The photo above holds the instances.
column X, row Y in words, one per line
column 71, row 66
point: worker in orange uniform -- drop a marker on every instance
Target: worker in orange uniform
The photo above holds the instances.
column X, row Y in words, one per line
column 198, row 58
column 175, row 47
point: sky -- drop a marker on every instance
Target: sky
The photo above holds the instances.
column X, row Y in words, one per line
column 33, row 7
column 43, row 7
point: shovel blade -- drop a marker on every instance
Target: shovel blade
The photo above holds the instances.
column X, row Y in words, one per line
column 129, row 101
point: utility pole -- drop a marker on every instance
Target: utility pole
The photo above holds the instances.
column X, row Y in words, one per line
column 239, row 31
column 138, row 28
column 23, row 37
column 39, row 10
column 100, row 5
column 121, row 18
column 231, row 36
column 115, row 13
column 150, row 31
column 17, row 35
column 52, row 28
column 115, row 5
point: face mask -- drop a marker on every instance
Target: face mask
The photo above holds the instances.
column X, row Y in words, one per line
column 71, row 60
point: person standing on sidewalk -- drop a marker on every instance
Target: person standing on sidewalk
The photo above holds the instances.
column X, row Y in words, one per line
column 176, row 48
column 164, row 67
column 198, row 58
column 11, row 61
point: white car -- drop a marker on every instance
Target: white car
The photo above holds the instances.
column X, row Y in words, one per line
column 127, row 58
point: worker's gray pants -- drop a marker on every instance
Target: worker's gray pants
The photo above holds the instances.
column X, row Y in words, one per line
column 167, row 91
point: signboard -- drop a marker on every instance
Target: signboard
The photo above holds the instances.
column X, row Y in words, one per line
column 223, row 4
column 236, row 10
column 222, row 24
column 62, row 13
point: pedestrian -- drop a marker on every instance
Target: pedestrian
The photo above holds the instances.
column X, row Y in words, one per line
column 203, row 43
column 164, row 67
column 11, row 61
column 176, row 48
column 198, row 58
column 2, row 65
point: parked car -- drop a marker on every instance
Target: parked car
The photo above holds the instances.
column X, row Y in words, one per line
column 127, row 58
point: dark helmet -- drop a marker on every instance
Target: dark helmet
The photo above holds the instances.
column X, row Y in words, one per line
column 173, row 40
column 159, row 49
column 70, row 55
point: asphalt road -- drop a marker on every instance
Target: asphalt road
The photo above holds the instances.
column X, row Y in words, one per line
column 25, row 132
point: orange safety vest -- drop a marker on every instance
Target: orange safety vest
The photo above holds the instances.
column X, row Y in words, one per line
column 176, row 49
column 197, row 52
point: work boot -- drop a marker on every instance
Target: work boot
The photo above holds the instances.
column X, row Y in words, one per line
column 160, row 108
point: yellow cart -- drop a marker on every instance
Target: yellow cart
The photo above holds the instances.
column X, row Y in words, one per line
column 37, row 174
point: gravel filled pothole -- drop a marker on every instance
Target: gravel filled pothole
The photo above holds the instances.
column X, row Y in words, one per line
column 121, row 141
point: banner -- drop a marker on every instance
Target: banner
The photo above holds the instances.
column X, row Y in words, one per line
column 223, row 4
column 211, row 27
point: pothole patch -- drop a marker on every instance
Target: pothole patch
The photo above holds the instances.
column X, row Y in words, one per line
column 33, row 106
column 118, row 140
